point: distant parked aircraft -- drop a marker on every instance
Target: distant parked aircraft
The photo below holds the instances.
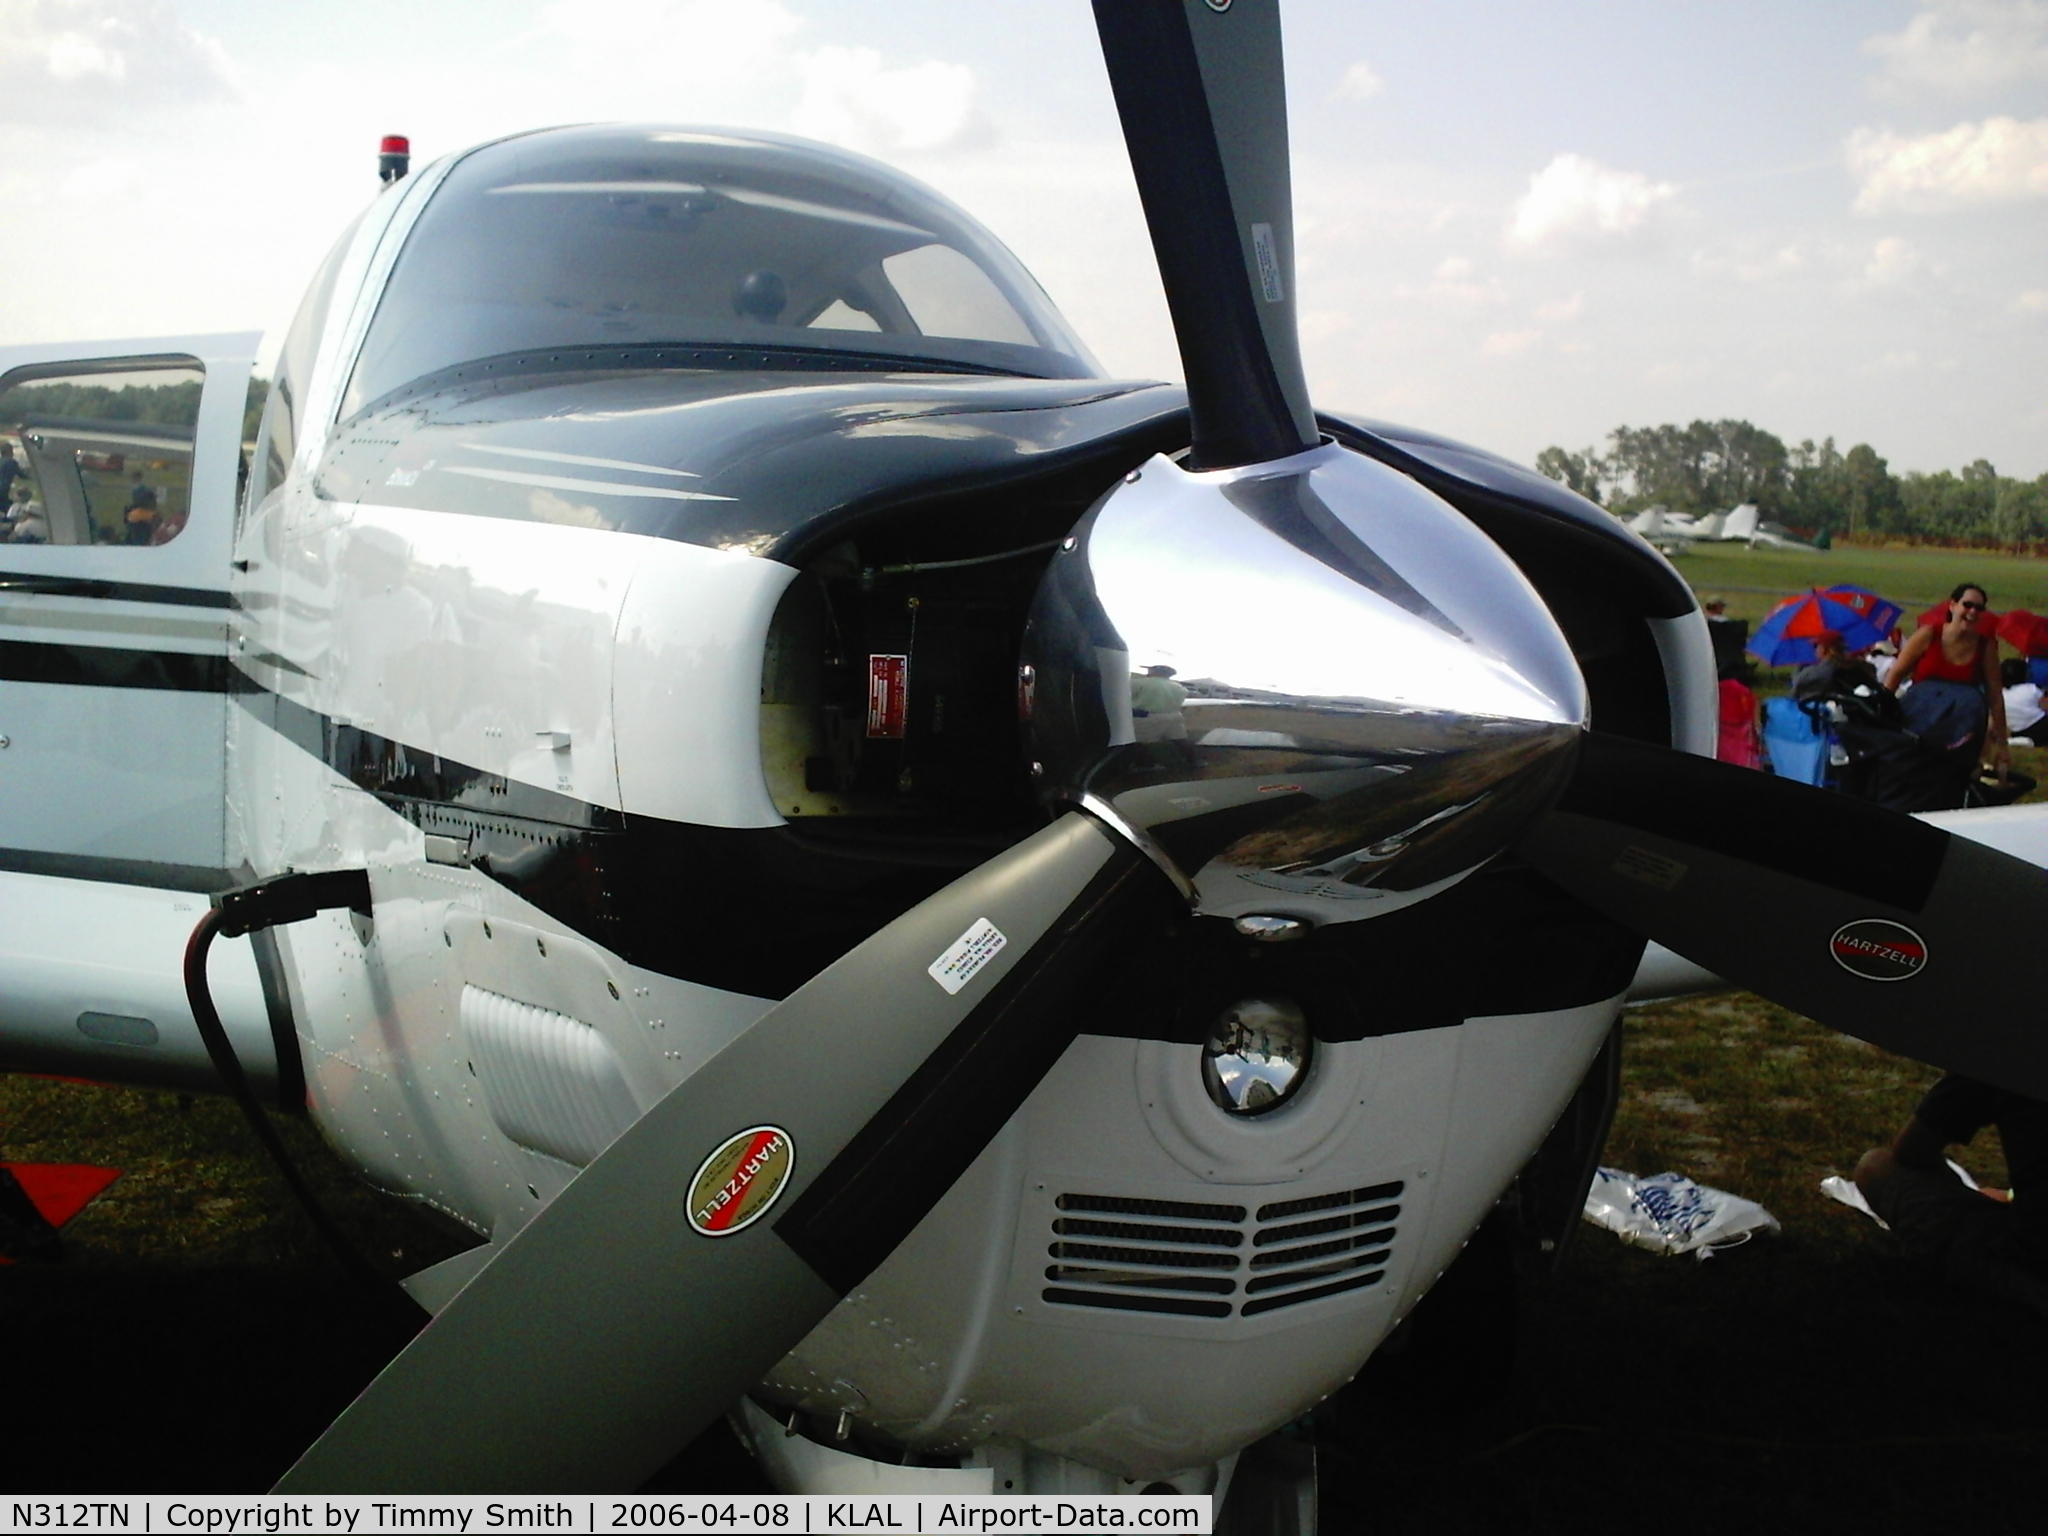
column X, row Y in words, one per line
column 1674, row 532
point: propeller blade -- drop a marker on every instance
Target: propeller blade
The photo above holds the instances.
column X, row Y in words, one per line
column 613, row 1328
column 1865, row 920
column 1200, row 92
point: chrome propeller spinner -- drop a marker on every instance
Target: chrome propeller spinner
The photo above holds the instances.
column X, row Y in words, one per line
column 1305, row 687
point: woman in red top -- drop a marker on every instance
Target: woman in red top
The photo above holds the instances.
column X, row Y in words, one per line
column 1955, row 692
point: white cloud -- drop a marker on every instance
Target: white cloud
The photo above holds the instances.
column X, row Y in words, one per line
column 1562, row 310
column 850, row 98
column 1360, row 83
column 685, row 40
column 1325, row 324
column 1962, row 47
column 2033, row 302
column 1456, row 283
column 1750, row 263
column 1998, row 160
column 100, row 181
column 1893, row 261
column 1574, row 201
column 96, row 60
column 1509, row 343
column 1813, row 262
column 744, row 61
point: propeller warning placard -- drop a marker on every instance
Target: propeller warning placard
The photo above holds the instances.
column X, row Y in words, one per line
column 966, row 955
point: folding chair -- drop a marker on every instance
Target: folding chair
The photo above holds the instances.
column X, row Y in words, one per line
column 1796, row 741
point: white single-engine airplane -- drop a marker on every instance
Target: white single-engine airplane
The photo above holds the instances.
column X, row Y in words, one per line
column 1002, row 925
column 1673, row 533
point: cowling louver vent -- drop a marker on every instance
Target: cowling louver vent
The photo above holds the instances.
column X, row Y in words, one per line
column 549, row 1081
column 1145, row 1255
column 1193, row 1260
column 1319, row 1246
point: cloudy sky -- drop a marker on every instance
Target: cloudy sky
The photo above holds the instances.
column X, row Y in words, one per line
column 1521, row 223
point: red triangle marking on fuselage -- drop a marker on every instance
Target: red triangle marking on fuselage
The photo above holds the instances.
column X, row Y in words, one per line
column 61, row 1190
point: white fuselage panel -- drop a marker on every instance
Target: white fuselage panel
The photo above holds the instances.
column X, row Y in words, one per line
column 518, row 648
column 94, row 986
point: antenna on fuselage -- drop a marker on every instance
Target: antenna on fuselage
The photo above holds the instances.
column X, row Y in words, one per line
column 394, row 158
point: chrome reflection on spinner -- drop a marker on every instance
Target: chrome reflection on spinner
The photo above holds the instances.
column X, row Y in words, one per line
column 1308, row 688
column 1266, row 928
column 1257, row 1055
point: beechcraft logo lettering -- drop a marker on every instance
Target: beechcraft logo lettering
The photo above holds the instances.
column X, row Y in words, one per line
column 736, row 1184
column 1878, row 950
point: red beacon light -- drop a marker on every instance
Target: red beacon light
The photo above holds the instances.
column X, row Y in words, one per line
column 394, row 157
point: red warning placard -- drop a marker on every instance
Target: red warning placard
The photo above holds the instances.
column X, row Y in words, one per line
column 888, row 695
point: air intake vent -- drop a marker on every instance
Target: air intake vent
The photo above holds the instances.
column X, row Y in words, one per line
column 1118, row 1205
column 1321, row 1246
column 1188, row 1260
column 1145, row 1255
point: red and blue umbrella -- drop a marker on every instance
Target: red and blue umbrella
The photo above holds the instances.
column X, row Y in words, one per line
column 1786, row 635
column 2025, row 632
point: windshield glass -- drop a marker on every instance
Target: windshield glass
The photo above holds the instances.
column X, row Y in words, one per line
column 635, row 237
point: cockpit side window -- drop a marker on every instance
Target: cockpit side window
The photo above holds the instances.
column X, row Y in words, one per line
column 946, row 294
column 615, row 239
column 100, row 452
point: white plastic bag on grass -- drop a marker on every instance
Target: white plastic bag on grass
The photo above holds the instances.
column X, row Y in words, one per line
column 1669, row 1213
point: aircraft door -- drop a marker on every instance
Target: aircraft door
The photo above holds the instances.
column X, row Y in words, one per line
column 115, row 625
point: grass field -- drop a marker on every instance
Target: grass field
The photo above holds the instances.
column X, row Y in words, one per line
column 1752, row 580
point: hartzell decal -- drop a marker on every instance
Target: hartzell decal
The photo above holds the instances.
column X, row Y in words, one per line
column 1878, row 950
column 735, row 1185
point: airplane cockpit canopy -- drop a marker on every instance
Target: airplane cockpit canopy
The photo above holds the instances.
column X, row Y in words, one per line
column 620, row 238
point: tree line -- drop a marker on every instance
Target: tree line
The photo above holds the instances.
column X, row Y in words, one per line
column 1811, row 489
column 174, row 404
